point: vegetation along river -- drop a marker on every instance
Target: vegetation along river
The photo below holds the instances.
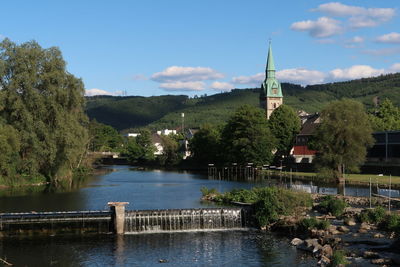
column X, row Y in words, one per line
column 143, row 190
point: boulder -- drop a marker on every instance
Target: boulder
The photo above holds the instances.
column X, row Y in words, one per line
column 350, row 222
column 296, row 241
column 381, row 261
column 325, row 261
column 370, row 255
column 343, row 229
column 365, row 226
column 327, row 250
column 379, row 235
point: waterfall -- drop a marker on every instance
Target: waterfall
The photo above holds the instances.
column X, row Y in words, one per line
column 183, row 220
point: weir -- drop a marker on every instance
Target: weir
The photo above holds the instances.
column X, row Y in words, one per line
column 129, row 222
column 184, row 220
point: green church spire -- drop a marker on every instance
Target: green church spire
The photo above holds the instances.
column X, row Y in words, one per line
column 271, row 86
column 270, row 71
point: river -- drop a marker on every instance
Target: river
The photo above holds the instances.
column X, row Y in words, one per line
column 143, row 190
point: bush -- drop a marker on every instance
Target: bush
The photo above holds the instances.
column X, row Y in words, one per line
column 208, row 191
column 339, row 258
column 391, row 223
column 333, row 205
column 376, row 215
column 313, row 223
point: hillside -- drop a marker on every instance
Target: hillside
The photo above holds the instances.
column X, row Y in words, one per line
column 165, row 111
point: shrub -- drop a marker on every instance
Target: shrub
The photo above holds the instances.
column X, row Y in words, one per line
column 208, row 191
column 313, row 223
column 333, row 205
column 376, row 215
column 339, row 258
column 391, row 223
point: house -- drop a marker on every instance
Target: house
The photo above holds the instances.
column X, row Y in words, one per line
column 157, row 142
column 166, row 132
column 300, row 152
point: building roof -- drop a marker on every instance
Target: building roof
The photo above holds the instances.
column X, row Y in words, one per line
column 310, row 125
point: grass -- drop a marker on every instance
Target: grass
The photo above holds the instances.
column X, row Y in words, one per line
column 350, row 178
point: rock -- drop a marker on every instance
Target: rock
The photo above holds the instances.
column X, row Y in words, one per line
column 311, row 245
column 365, row 226
column 362, row 231
column 325, row 261
column 296, row 241
column 370, row 255
column 327, row 250
column 162, row 261
column 379, row 235
column 343, row 229
column 350, row 222
column 381, row 261
column 332, row 228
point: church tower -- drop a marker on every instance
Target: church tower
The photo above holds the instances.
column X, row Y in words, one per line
column 271, row 93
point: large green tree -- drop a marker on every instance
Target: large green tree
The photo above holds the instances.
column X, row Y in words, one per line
column 44, row 104
column 342, row 137
column 247, row 138
column 140, row 149
column 205, row 146
column 386, row 117
column 285, row 125
column 104, row 137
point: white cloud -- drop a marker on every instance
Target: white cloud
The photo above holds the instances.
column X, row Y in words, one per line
column 356, row 40
column 394, row 68
column 183, row 86
column 360, row 17
column 301, row 76
column 186, row 74
column 323, row 27
column 96, row 91
column 354, row 72
column 221, row 86
column 250, row 80
column 393, row 38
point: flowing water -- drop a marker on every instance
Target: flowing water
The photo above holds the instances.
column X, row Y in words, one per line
column 144, row 190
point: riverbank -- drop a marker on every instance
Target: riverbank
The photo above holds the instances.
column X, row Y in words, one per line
column 334, row 230
column 351, row 179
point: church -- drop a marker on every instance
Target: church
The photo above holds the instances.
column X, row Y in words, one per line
column 271, row 93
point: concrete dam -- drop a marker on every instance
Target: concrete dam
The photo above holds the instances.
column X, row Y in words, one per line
column 120, row 221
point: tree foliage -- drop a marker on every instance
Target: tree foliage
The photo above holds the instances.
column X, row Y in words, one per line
column 247, row 138
column 140, row 149
column 104, row 137
column 205, row 146
column 387, row 117
column 172, row 153
column 41, row 106
column 342, row 137
column 285, row 125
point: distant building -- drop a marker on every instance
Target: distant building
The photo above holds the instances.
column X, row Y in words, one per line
column 166, row 132
column 271, row 93
column 157, row 142
column 132, row 134
column 386, row 147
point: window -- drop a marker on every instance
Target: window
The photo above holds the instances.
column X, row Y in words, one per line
column 274, row 91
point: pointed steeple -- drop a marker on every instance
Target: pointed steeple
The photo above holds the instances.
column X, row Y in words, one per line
column 270, row 71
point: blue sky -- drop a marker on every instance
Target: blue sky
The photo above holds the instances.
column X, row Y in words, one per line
column 203, row 47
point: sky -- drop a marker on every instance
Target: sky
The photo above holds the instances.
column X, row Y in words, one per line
column 149, row 47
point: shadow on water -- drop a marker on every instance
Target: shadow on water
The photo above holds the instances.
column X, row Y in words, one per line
column 237, row 248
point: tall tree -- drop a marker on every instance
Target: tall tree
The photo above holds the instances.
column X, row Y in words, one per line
column 387, row 117
column 45, row 105
column 247, row 138
column 104, row 137
column 140, row 149
column 285, row 125
column 342, row 138
column 205, row 145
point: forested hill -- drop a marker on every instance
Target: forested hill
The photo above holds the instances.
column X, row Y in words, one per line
column 165, row 111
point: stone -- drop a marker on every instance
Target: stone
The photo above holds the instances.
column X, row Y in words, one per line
column 296, row 241
column 362, row 231
column 370, row 255
column 343, row 229
column 379, row 235
column 381, row 261
column 350, row 222
column 327, row 250
column 365, row 226
column 325, row 261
